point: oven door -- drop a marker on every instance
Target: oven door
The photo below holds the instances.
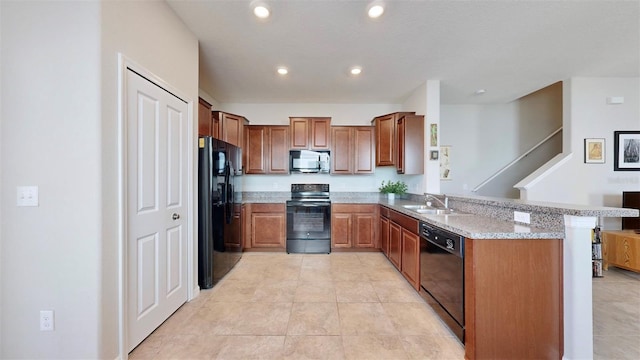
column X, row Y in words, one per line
column 308, row 220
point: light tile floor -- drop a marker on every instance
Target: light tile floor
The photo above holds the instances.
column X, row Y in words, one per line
column 348, row 306
column 616, row 315
column 299, row 306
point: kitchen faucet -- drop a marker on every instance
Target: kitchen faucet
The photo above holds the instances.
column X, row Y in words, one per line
column 444, row 203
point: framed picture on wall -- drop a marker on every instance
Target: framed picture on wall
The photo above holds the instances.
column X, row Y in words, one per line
column 594, row 151
column 445, row 162
column 433, row 138
column 626, row 150
column 434, row 155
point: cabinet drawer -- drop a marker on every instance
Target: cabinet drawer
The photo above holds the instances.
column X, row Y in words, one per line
column 405, row 221
column 385, row 211
column 353, row 208
column 257, row 207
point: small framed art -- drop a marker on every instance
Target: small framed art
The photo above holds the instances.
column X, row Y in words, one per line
column 445, row 162
column 594, row 151
column 626, row 150
column 434, row 155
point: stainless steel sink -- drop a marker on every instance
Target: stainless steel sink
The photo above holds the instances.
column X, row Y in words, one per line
column 418, row 207
column 430, row 210
column 434, row 211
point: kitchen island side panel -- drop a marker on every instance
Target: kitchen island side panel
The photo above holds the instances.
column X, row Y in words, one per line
column 514, row 302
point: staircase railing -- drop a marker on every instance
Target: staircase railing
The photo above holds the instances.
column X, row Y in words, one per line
column 506, row 167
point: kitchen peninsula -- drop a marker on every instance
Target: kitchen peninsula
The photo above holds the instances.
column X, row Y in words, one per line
column 564, row 225
column 525, row 284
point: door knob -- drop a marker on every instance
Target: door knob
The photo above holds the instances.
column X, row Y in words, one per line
column 175, row 216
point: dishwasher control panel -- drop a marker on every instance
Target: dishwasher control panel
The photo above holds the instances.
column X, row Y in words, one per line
column 444, row 239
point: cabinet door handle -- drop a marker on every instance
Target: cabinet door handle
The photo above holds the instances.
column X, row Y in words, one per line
column 175, row 216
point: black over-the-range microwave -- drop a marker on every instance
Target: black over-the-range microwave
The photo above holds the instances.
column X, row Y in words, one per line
column 309, row 161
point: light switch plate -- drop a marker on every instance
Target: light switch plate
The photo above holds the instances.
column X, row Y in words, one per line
column 615, row 100
column 522, row 217
column 27, row 196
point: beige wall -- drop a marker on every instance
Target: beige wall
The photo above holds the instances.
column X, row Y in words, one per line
column 51, row 139
column 589, row 116
column 484, row 138
column 59, row 131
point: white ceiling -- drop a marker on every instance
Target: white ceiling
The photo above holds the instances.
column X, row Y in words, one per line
column 508, row 47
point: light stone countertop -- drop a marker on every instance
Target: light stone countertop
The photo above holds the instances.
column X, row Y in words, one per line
column 547, row 207
column 475, row 226
column 467, row 222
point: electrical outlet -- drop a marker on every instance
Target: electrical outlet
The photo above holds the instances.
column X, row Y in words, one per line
column 522, row 217
column 46, row 320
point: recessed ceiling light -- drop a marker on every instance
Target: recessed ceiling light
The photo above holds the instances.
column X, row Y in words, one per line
column 375, row 10
column 283, row 70
column 480, row 91
column 261, row 11
column 356, row 70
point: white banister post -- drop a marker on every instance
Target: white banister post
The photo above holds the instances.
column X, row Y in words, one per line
column 578, row 302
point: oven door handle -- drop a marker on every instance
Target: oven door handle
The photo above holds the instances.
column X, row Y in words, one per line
column 309, row 204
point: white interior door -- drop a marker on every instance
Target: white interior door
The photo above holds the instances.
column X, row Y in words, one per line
column 157, row 150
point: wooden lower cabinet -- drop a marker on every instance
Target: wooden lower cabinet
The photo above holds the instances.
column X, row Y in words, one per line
column 233, row 231
column 266, row 226
column 400, row 242
column 621, row 249
column 354, row 226
column 395, row 247
column 513, row 299
column 384, row 235
column 341, row 230
column 410, row 266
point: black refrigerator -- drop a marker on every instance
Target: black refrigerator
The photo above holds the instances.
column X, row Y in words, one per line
column 219, row 188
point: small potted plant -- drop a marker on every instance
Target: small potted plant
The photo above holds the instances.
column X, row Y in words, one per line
column 392, row 188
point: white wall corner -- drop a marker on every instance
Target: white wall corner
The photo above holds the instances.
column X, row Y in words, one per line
column 432, row 116
column 567, row 128
column 545, row 170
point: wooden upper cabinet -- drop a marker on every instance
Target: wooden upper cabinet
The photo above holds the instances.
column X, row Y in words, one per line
column 320, row 133
column 310, row 133
column 278, row 149
column 364, row 150
column 229, row 127
column 341, row 150
column 204, row 118
column 266, row 149
column 352, row 149
column 386, row 138
column 299, row 133
column 255, row 150
column 410, row 148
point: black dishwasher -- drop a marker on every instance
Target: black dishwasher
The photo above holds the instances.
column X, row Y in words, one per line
column 442, row 275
